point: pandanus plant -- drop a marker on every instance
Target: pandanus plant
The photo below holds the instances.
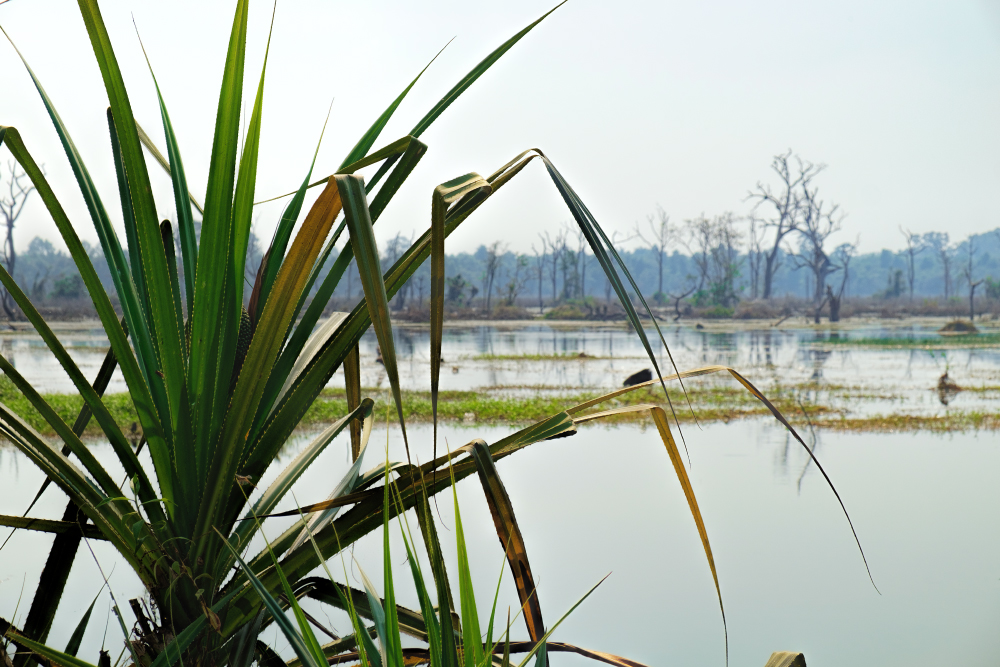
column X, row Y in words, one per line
column 219, row 387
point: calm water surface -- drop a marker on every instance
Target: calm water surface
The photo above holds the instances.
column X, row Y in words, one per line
column 924, row 505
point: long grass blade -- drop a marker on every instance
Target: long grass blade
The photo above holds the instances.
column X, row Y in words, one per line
column 393, row 649
column 472, row 648
column 182, row 196
column 162, row 161
column 108, row 424
column 541, row 644
column 75, row 639
column 352, row 192
column 214, row 320
column 444, row 194
column 282, row 234
column 166, row 327
column 55, row 656
column 294, row 637
column 138, row 388
column 663, row 426
column 756, row 393
column 49, row 526
column 510, row 537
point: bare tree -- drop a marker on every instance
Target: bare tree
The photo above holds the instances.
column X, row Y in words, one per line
column 518, row 278
column 714, row 245
column 938, row 243
column 968, row 273
column 420, row 290
column 494, row 257
column 914, row 246
column 698, row 239
column 843, row 255
column 539, row 271
column 555, row 246
column 394, row 249
column 817, row 222
column 755, row 254
column 19, row 188
column 661, row 234
column 618, row 246
column 582, row 264
column 785, row 204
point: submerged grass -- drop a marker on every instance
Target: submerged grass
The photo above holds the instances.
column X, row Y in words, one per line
column 564, row 356
column 928, row 342
column 493, row 405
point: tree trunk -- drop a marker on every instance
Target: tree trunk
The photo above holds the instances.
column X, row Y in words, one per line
column 769, row 270
column 834, row 302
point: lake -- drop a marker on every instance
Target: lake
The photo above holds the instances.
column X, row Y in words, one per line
column 606, row 501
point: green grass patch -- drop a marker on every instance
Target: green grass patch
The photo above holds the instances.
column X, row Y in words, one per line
column 928, row 342
column 565, row 356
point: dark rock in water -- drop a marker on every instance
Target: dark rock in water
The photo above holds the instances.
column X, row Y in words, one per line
column 699, row 326
column 644, row 375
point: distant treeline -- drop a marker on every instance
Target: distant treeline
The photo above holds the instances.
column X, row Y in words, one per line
column 48, row 274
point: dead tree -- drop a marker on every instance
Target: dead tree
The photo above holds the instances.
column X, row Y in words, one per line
column 714, row 245
column 755, row 254
column 518, row 278
column 817, row 222
column 914, row 246
column 494, row 256
column 661, row 234
column 843, row 255
column 938, row 243
column 539, row 271
column 19, row 188
column 555, row 246
column 785, row 204
column 967, row 273
column 699, row 236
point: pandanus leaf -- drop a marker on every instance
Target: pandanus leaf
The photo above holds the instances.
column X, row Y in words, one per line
column 510, row 537
column 183, row 199
column 352, row 192
column 167, row 329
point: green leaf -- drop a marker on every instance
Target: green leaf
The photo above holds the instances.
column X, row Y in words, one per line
column 71, row 479
column 48, row 526
column 276, row 252
column 540, row 646
column 378, row 657
column 108, row 424
column 138, row 388
column 352, row 193
column 476, row 186
column 75, row 639
column 471, row 634
column 57, row 657
column 49, row 414
column 474, row 74
column 214, row 320
column 393, row 649
column 182, row 196
column 222, row 466
column 298, row 642
column 165, row 325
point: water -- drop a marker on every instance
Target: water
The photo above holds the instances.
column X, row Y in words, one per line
column 854, row 381
column 606, row 500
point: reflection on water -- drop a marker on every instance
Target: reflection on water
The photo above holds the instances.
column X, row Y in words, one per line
column 605, row 501
column 559, row 359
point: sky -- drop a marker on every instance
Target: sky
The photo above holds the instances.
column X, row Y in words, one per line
column 639, row 104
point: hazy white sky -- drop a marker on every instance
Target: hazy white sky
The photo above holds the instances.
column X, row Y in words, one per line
column 680, row 104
